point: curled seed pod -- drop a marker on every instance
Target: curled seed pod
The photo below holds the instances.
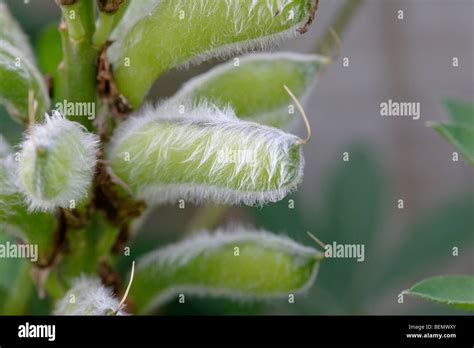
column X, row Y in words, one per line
column 57, row 163
column 205, row 154
column 239, row 264
column 224, row 27
column 88, row 296
column 253, row 87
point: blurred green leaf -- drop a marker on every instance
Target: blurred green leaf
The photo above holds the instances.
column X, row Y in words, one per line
column 456, row 291
column 49, row 53
column 460, row 111
column 429, row 242
column 11, row 32
column 459, row 135
column 35, row 227
column 15, row 282
column 352, row 212
column 279, row 217
column 19, row 75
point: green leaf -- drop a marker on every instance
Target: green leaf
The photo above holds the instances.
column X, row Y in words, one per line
column 450, row 223
column 353, row 213
column 254, row 88
column 455, row 291
column 49, row 53
column 460, row 111
column 155, row 36
column 11, row 32
column 242, row 264
column 15, row 282
column 18, row 76
column 460, row 135
column 203, row 154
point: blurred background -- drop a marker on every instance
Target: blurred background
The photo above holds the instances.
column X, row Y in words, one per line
column 407, row 60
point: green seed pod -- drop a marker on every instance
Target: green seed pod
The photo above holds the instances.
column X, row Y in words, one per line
column 238, row 264
column 188, row 31
column 57, row 163
column 19, row 76
column 88, row 297
column 205, row 154
column 252, row 86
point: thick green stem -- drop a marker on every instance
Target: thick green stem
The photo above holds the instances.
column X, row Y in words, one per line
column 78, row 70
column 207, row 217
column 111, row 11
column 339, row 24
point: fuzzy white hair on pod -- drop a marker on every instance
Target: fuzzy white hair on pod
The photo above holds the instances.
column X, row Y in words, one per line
column 273, row 174
column 204, row 244
column 88, row 296
column 205, row 241
column 242, row 15
column 57, row 163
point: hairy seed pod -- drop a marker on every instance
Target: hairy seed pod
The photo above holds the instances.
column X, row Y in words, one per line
column 190, row 31
column 238, row 263
column 253, row 85
column 88, row 297
column 205, row 154
column 57, row 163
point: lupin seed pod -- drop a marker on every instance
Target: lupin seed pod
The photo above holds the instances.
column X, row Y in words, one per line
column 252, row 85
column 57, row 163
column 224, row 27
column 89, row 297
column 238, row 264
column 205, row 153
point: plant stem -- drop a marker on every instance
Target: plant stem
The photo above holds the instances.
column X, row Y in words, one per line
column 104, row 28
column 78, row 70
column 207, row 217
column 109, row 16
column 339, row 24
